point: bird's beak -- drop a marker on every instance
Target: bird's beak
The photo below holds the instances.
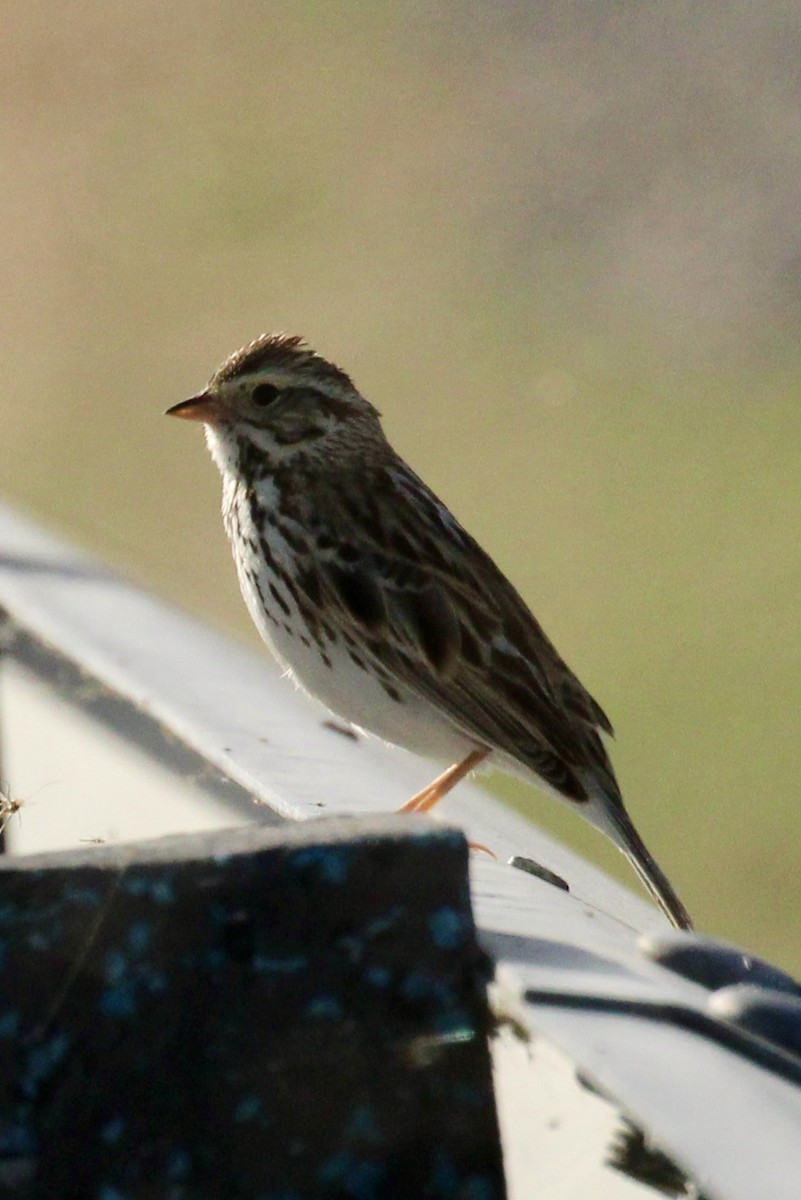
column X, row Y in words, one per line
column 205, row 407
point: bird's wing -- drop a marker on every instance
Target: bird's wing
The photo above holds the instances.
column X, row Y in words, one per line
column 429, row 607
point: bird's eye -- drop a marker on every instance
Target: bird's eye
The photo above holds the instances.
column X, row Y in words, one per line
column 264, row 394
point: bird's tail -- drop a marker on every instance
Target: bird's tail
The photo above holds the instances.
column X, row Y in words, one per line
column 616, row 823
column 654, row 878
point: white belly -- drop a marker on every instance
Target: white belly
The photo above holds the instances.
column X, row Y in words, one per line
column 344, row 687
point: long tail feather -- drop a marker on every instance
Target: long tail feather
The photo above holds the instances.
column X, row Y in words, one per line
column 651, row 874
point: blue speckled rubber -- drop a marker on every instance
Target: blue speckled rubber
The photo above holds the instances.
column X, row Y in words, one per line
column 259, row 1014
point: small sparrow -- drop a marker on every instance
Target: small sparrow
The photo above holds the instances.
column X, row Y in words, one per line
column 381, row 605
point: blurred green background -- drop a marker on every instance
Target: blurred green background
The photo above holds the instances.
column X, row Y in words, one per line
column 557, row 245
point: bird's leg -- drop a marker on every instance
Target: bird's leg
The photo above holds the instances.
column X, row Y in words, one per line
column 431, row 795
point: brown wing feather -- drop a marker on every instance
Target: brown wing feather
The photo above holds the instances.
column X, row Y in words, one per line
column 452, row 628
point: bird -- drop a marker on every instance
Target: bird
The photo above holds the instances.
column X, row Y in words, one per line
column 379, row 604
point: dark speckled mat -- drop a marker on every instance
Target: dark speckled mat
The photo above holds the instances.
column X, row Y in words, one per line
column 263, row 1013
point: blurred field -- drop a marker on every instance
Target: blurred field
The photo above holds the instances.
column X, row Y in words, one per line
column 560, row 251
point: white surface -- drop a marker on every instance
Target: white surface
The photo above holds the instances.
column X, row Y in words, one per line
column 77, row 782
column 556, row 1134
column 738, row 1124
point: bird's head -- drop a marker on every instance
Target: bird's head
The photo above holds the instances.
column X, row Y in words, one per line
column 278, row 397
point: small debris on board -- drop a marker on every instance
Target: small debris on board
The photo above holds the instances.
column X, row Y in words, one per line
column 345, row 730
column 534, row 868
column 8, row 806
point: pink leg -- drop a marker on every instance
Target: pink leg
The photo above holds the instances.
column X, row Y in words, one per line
column 431, row 795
